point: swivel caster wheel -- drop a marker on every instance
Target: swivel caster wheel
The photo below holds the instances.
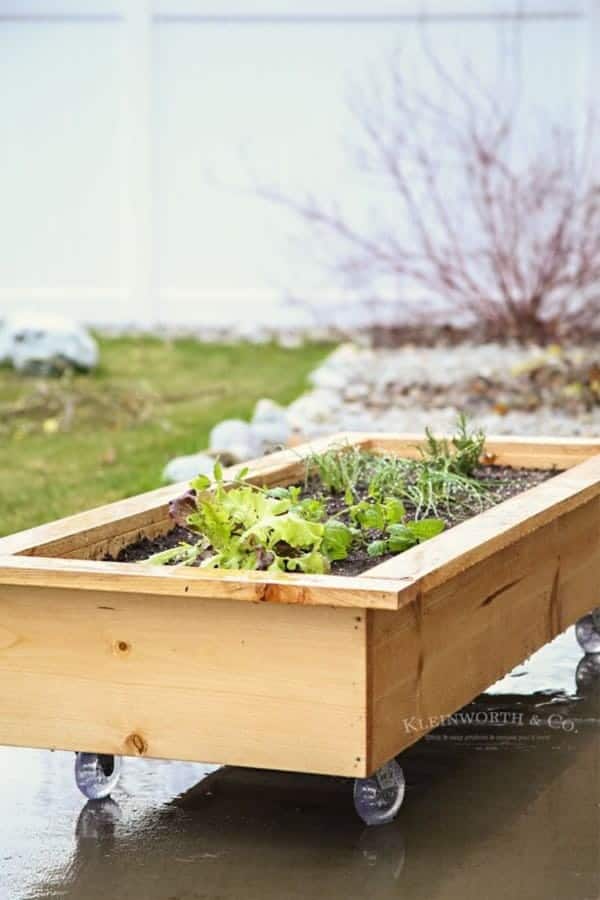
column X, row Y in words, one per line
column 97, row 774
column 587, row 676
column 587, row 632
column 377, row 799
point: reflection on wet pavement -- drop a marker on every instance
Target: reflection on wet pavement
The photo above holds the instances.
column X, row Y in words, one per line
column 503, row 801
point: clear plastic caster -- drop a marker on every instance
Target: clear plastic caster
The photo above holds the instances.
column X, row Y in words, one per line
column 97, row 774
column 377, row 799
column 587, row 676
column 587, row 632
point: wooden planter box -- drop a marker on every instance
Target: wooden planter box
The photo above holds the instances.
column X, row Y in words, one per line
column 323, row 674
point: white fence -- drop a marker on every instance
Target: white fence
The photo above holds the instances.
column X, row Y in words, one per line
column 132, row 133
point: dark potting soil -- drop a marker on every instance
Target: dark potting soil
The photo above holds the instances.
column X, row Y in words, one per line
column 503, row 482
column 146, row 547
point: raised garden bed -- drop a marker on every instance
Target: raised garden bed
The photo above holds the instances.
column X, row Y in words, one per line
column 319, row 673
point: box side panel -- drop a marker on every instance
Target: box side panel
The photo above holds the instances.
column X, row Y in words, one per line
column 265, row 685
column 437, row 653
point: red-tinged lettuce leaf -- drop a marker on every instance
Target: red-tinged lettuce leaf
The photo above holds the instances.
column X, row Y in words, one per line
column 182, row 508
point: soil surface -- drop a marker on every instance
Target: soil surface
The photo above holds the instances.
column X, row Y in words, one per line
column 503, row 482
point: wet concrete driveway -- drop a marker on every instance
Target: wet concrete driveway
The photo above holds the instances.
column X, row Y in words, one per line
column 503, row 803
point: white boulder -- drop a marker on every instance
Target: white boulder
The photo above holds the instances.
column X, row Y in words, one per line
column 314, row 409
column 334, row 373
column 184, row 468
column 236, row 439
column 270, row 424
column 46, row 344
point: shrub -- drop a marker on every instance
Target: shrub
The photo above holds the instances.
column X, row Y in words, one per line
column 490, row 227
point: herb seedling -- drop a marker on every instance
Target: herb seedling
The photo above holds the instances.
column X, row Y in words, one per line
column 461, row 455
column 339, row 470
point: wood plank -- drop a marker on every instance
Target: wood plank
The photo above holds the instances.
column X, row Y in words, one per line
column 253, row 587
column 261, row 685
column 411, row 640
column 464, row 632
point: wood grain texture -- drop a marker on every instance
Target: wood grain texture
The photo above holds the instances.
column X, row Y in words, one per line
column 315, row 673
column 254, row 587
column 261, row 685
column 463, row 633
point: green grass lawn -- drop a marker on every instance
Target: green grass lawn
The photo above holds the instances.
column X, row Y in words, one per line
column 73, row 443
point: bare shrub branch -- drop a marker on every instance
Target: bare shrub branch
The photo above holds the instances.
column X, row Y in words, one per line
column 473, row 215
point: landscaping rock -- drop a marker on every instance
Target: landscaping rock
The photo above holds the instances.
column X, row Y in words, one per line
column 339, row 367
column 46, row 345
column 505, row 388
column 184, row 468
column 266, row 411
column 270, row 424
column 316, row 412
column 237, row 439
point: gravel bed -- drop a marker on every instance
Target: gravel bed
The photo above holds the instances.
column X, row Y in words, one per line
column 362, row 389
